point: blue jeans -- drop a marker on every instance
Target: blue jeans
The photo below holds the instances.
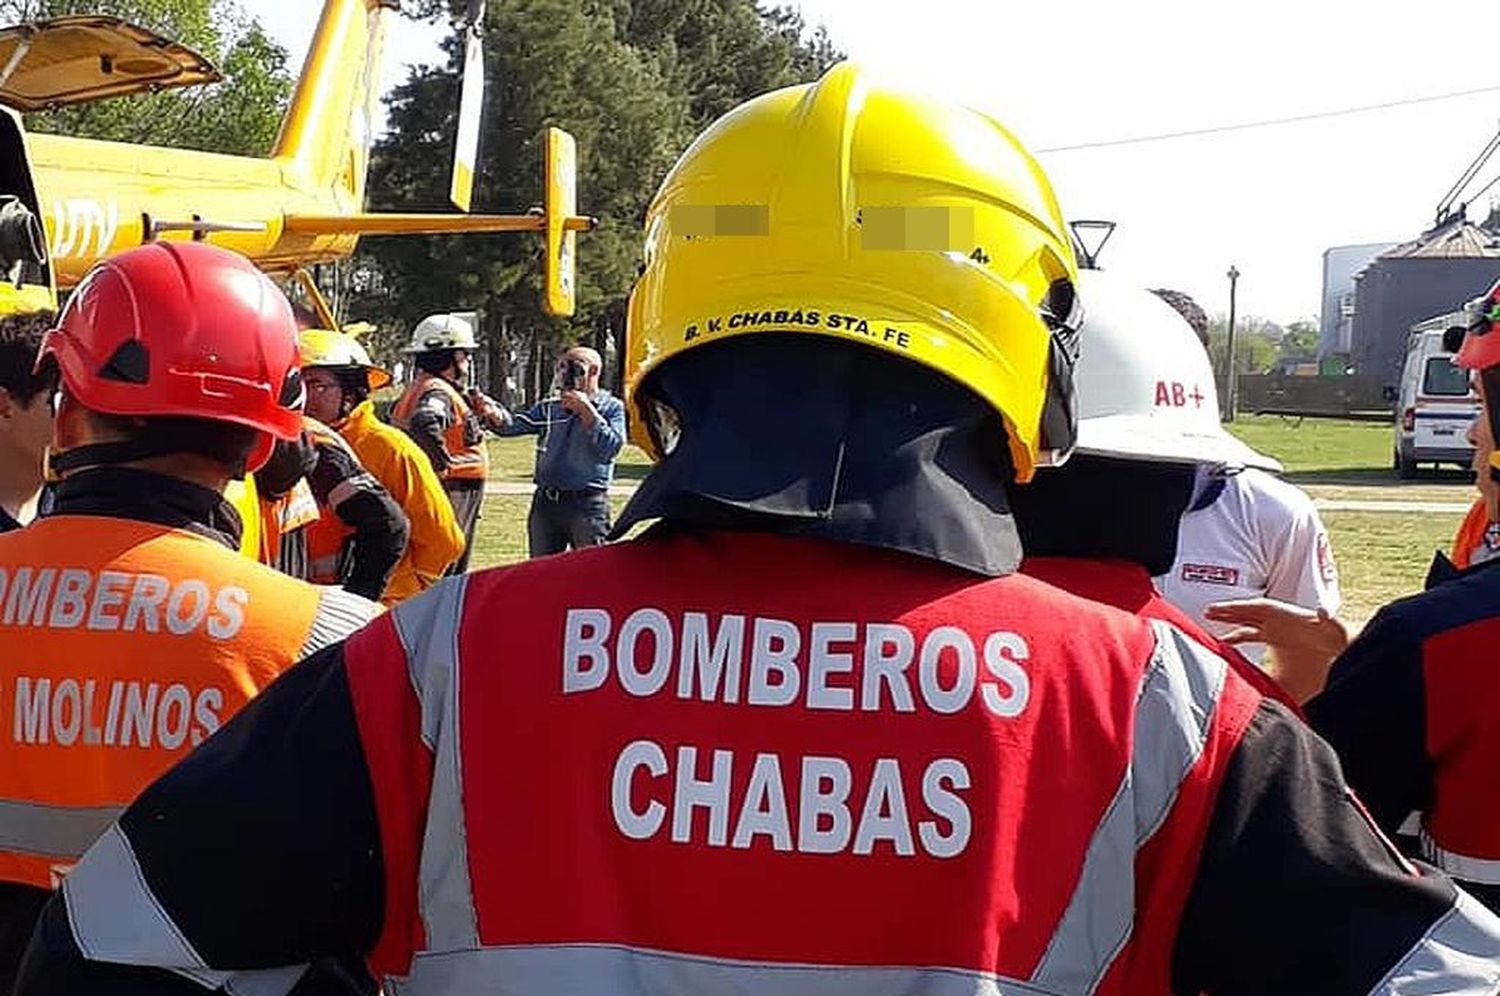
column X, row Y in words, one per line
column 563, row 519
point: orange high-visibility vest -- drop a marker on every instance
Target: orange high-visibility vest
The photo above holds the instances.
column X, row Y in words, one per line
column 125, row 644
column 464, row 439
column 280, row 516
column 1476, row 535
column 327, row 533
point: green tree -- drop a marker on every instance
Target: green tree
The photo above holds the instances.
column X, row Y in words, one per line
column 240, row 115
column 1256, row 341
column 717, row 53
column 554, row 62
column 1300, row 341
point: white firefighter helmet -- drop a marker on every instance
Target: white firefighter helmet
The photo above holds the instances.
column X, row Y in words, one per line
column 1145, row 385
column 441, row 332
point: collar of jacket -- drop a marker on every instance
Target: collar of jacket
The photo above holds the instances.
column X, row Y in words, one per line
column 357, row 418
column 1442, row 570
column 128, row 493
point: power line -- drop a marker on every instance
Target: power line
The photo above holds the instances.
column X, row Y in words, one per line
column 1484, row 189
column 1272, row 122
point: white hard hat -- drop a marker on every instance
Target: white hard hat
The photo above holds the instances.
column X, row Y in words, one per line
column 441, row 332
column 1144, row 383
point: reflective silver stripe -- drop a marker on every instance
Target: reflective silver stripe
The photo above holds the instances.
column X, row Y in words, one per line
column 1459, row 956
column 543, row 970
column 339, row 614
column 351, row 486
column 115, row 917
column 428, row 628
column 1482, row 871
column 324, row 566
column 52, row 831
column 1172, row 716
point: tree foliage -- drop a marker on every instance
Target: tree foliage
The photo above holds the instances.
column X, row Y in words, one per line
column 633, row 80
column 1300, row 341
column 1256, row 342
column 240, row 115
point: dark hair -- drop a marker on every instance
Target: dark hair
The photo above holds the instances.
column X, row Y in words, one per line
column 434, row 361
column 221, row 442
column 1191, row 311
column 355, row 383
column 20, row 339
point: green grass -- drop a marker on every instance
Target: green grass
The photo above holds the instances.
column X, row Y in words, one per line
column 1384, row 555
column 500, row 537
column 1317, row 446
column 512, row 459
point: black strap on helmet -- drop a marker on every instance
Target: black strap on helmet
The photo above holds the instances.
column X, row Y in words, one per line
column 1063, row 313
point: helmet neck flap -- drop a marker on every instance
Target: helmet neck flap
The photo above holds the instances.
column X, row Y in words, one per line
column 809, row 437
column 1106, row 508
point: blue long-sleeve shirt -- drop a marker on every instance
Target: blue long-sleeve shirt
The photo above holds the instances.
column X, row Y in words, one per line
column 568, row 456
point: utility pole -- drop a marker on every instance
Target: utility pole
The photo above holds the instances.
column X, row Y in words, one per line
column 1231, row 387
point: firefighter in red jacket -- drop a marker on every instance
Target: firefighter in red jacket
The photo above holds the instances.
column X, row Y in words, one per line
column 1410, row 704
column 811, row 733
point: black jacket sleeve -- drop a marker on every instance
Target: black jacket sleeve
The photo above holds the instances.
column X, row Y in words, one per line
column 381, row 529
column 1297, row 892
column 430, row 419
column 312, row 885
column 1373, row 712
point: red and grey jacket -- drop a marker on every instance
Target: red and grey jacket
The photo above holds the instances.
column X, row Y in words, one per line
column 712, row 762
column 1413, row 709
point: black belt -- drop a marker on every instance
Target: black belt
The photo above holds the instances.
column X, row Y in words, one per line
column 550, row 493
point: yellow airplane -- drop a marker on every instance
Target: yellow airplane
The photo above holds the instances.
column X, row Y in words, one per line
column 66, row 203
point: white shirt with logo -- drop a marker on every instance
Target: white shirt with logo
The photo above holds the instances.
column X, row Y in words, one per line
column 1260, row 537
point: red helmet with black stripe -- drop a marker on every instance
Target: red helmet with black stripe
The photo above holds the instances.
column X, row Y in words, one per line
column 183, row 329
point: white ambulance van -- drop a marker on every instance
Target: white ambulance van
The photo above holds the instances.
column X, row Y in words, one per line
column 1434, row 404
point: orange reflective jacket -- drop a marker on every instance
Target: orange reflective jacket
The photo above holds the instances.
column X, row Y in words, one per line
column 126, row 644
column 463, row 440
column 327, row 533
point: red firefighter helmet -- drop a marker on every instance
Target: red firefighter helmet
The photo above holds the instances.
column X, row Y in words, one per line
column 187, row 330
column 1481, row 345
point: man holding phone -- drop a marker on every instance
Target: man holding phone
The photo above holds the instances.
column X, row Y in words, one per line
column 579, row 431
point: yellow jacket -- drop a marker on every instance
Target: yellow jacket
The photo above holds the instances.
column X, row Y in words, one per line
column 399, row 464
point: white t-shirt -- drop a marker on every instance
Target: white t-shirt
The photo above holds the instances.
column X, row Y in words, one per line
column 1261, row 536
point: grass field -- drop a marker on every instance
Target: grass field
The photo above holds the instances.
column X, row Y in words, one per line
column 1381, row 555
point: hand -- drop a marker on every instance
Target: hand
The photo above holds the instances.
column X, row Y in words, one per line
column 579, row 404
column 1303, row 642
column 489, row 410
